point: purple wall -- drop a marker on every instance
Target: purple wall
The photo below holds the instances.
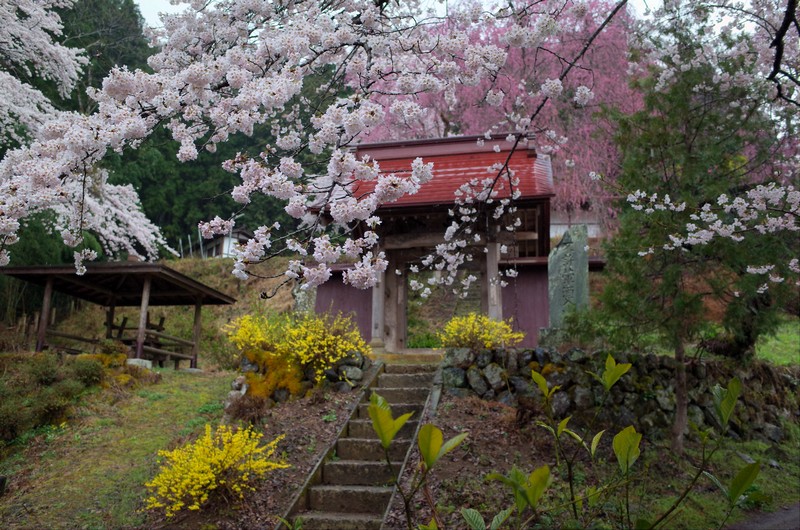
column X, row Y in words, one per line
column 525, row 299
column 336, row 297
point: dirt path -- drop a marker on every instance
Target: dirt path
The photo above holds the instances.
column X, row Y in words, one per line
column 787, row 518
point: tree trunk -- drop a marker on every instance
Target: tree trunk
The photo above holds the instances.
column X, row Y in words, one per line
column 681, row 400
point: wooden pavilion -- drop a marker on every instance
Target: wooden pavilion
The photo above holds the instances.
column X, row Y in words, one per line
column 413, row 225
column 127, row 284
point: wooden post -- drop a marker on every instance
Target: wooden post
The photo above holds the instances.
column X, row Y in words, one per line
column 198, row 306
column 378, row 317
column 389, row 293
column 44, row 318
column 494, row 301
column 140, row 333
column 110, row 320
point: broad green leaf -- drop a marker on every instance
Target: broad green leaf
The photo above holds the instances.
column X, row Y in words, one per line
column 473, row 518
column 516, row 481
column 377, row 400
column 743, row 480
column 538, row 481
column 546, row 426
column 613, row 372
column 642, row 524
column 626, row 447
column 725, row 399
column 716, row 481
column 592, row 496
column 540, row 382
column 429, row 442
column 596, row 442
column 576, row 436
column 553, row 391
column 385, row 426
column 500, row 518
column 563, row 425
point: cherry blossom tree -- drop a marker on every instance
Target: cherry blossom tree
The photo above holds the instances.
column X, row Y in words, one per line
column 81, row 199
column 230, row 65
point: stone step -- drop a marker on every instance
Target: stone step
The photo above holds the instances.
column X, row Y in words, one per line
column 363, row 429
column 398, row 409
column 365, row 449
column 360, row 472
column 403, row 395
column 339, row 521
column 349, row 499
column 422, row 379
column 411, row 368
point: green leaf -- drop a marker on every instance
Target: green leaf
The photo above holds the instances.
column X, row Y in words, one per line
column 626, row 447
column 613, row 372
column 540, row 382
column 500, row 518
column 473, row 518
column 716, row 481
column 596, row 442
column 642, row 524
column 538, row 481
column 563, row 425
column 430, row 526
column 430, row 444
column 384, row 425
column 743, row 480
column 725, row 399
column 515, row 480
column 546, row 426
column 592, row 496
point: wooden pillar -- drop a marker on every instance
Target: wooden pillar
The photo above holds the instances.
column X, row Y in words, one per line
column 110, row 319
column 378, row 316
column 494, row 300
column 198, row 306
column 395, row 300
column 44, row 318
column 140, row 333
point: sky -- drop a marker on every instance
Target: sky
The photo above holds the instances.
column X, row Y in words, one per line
column 151, row 8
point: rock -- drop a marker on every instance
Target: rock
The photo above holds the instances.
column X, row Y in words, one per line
column 367, row 362
column 453, row 377
column 665, row 399
column 281, row 395
column 490, row 395
column 354, row 358
column 238, row 383
column 495, row 376
column 476, row 380
column 458, row 392
column 483, row 358
column 507, row 398
column 524, row 358
column 773, row 464
column 142, row 363
column 192, row 370
column 577, row 355
column 331, row 375
column 511, row 362
column 773, row 432
column 351, row 372
column 343, row 386
column 459, row 357
column 747, row 459
column 695, row 415
column 522, row 386
column 233, row 396
column 541, row 356
column 560, row 404
column 247, row 365
column 583, row 398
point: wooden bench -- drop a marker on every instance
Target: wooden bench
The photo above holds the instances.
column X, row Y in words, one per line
column 77, row 338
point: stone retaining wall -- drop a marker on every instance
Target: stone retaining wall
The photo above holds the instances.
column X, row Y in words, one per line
column 644, row 397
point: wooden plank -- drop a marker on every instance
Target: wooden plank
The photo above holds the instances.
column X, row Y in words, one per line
column 168, row 353
column 171, row 338
column 54, row 333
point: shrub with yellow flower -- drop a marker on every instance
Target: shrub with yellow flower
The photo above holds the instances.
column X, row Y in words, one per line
column 479, row 332
column 227, row 461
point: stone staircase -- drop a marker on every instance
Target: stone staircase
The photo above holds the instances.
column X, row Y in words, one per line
column 352, row 487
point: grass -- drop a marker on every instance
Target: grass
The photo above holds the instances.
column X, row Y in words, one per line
column 782, row 347
column 91, row 473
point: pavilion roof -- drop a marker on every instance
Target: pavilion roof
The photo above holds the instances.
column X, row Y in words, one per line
column 121, row 284
column 456, row 161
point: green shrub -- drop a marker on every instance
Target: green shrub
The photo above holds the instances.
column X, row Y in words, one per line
column 42, row 369
column 87, row 371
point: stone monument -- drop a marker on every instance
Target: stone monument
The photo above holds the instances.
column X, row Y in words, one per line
column 568, row 274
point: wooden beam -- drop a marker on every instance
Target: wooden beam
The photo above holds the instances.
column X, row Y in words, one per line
column 198, row 306
column 44, row 318
column 378, row 309
column 406, row 241
column 140, row 334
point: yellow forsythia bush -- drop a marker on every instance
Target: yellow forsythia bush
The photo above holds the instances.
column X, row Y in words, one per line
column 228, row 461
column 478, row 332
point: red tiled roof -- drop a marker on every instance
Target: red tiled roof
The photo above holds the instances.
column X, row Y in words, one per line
column 456, row 161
